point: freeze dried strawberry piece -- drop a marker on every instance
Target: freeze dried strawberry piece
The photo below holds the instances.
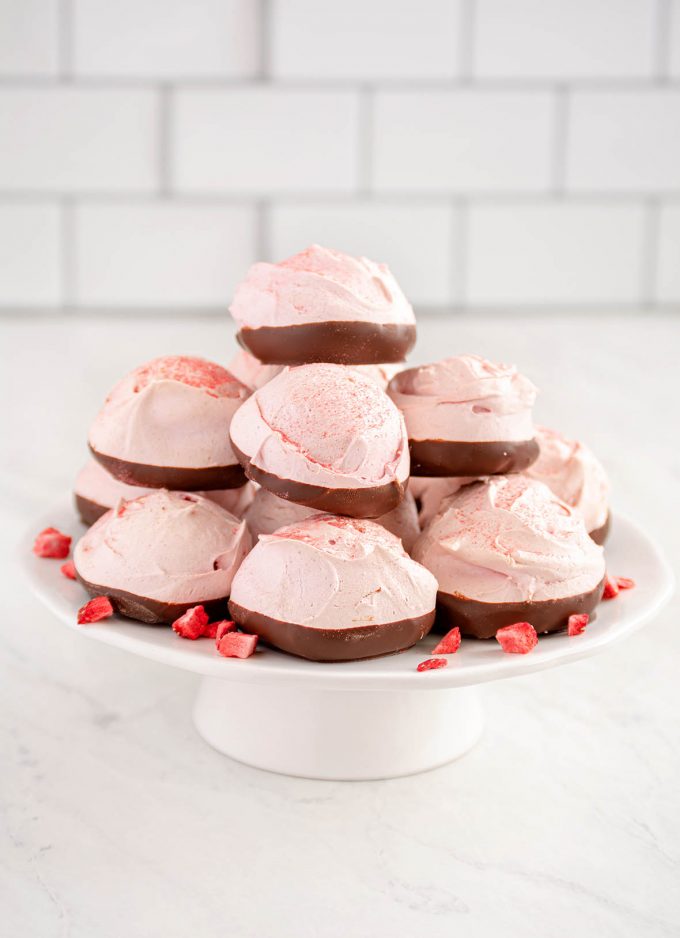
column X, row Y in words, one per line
column 98, row 608
column 577, row 623
column 611, row 588
column 431, row 664
column 218, row 629
column 192, row 624
column 625, row 583
column 517, row 639
column 448, row 645
column 52, row 543
column 237, row 645
column 68, row 569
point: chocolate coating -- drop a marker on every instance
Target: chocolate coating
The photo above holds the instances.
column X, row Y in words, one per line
column 152, row 611
column 344, row 343
column 453, row 458
column 171, row 477
column 351, row 644
column 477, row 619
column 357, row 503
column 88, row 510
column 600, row 535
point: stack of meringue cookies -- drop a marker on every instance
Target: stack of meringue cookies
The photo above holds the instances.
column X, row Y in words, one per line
column 324, row 497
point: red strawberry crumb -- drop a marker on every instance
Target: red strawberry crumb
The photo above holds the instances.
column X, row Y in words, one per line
column 98, row 608
column 192, row 624
column 237, row 645
column 625, row 583
column 577, row 624
column 431, row 664
column 448, row 645
column 52, row 543
column 221, row 628
column 68, row 569
column 517, row 639
column 611, row 588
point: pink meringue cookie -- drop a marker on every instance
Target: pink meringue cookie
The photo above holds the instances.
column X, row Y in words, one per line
column 333, row 307
column 332, row 589
column 250, row 371
column 572, row 471
column 160, row 554
column 96, row 491
column 267, row 513
column 167, row 424
column 430, row 492
column 326, row 437
column 466, row 416
column 510, row 541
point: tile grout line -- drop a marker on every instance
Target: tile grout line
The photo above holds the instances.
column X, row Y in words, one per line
column 265, row 36
column 65, row 41
column 662, row 45
column 466, row 42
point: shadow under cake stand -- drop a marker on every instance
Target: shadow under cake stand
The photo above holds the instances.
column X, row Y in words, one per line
column 355, row 720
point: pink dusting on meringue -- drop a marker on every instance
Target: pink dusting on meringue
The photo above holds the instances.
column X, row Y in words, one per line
column 267, row 513
column 97, row 485
column 330, row 572
column 318, row 285
column 574, row 474
column 175, row 547
column 509, row 539
column 430, row 492
column 465, row 399
column 174, row 411
column 324, row 425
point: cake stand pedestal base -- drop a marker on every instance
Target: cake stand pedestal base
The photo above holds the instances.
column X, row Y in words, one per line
column 338, row 734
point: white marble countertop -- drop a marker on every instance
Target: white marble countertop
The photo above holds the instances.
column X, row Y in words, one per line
column 118, row 820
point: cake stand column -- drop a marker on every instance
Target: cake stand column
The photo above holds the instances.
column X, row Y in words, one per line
column 338, row 734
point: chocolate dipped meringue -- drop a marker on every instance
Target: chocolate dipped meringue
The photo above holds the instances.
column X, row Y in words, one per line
column 96, row 491
column 327, row 437
column 508, row 550
column 466, row 416
column 267, row 513
column 573, row 472
column 323, row 306
column 160, row 554
column 166, row 425
column 333, row 589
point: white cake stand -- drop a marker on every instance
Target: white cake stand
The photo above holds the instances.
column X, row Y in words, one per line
column 357, row 720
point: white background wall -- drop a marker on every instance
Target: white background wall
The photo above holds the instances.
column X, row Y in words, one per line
column 497, row 153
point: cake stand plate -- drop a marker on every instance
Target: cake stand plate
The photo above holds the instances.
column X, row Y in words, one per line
column 355, row 720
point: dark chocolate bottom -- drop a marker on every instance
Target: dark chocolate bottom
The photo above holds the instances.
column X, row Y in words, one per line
column 171, row 477
column 345, row 343
column 452, row 458
column 600, row 535
column 351, row 644
column 153, row 611
column 88, row 510
column 477, row 619
column 357, row 503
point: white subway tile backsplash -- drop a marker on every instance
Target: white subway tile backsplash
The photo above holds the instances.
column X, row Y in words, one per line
column 29, row 37
column 356, row 39
column 418, row 241
column 559, row 253
column 77, row 140
column 162, row 254
column 265, row 140
column 166, row 38
column 624, row 141
column 30, row 267
column 668, row 266
column 459, row 141
column 563, row 40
